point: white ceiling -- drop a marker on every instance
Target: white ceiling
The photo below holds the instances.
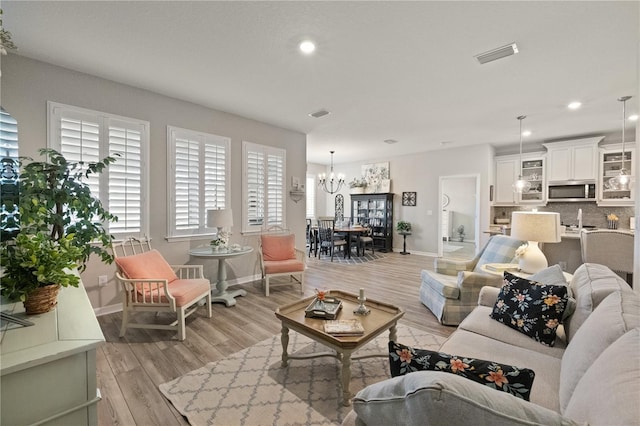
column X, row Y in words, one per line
column 385, row 70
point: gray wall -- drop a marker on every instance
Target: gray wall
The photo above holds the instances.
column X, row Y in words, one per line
column 420, row 173
column 26, row 87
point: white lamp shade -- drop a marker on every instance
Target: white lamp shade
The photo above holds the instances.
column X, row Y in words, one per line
column 222, row 218
column 542, row 227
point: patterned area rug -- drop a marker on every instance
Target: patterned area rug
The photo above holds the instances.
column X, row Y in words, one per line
column 337, row 258
column 251, row 387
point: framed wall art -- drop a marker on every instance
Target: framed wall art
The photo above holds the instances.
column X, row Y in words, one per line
column 409, row 199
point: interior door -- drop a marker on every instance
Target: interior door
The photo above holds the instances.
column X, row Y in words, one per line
column 460, row 212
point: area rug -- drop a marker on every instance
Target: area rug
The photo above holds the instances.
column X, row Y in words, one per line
column 252, row 388
column 367, row 257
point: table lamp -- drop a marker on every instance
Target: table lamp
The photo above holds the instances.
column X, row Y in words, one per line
column 221, row 218
column 535, row 227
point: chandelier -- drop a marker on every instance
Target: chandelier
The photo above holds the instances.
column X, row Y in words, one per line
column 331, row 184
column 521, row 186
column 621, row 181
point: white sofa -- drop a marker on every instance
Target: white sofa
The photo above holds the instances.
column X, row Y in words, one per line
column 591, row 375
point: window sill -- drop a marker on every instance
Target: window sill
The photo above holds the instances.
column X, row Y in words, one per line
column 197, row 237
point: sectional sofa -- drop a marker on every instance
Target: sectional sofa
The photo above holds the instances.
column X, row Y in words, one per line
column 590, row 376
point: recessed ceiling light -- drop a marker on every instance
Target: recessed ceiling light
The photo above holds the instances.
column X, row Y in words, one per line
column 526, row 133
column 633, row 117
column 307, row 47
column 574, row 105
column 390, row 141
column 445, row 143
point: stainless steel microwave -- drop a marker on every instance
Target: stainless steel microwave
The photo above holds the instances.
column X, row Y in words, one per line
column 572, row 191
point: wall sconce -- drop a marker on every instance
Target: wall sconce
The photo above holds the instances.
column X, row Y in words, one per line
column 297, row 189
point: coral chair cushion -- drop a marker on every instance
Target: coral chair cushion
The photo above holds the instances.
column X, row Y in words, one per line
column 278, row 247
column 183, row 290
column 279, row 266
column 149, row 265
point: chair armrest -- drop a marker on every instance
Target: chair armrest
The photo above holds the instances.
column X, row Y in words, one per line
column 188, row 271
column 145, row 290
column 488, row 296
column 452, row 267
column 301, row 255
column 470, row 284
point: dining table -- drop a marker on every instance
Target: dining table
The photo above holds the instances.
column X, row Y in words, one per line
column 354, row 230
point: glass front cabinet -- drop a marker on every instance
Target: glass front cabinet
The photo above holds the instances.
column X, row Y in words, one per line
column 376, row 211
column 611, row 162
column 507, row 170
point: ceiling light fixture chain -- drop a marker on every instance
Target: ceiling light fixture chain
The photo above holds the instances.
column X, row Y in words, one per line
column 521, row 186
column 621, row 181
column 334, row 183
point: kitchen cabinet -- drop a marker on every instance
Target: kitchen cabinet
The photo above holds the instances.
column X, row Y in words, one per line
column 573, row 160
column 375, row 210
column 507, row 170
column 610, row 165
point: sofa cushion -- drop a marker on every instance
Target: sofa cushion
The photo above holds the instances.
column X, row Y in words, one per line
column 436, row 398
column 608, row 392
column 547, row 368
column 591, row 283
column 530, row 307
column 617, row 314
column 499, row 249
column 480, row 322
column 148, row 265
column 506, row 378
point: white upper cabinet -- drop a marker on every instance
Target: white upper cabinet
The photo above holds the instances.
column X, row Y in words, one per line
column 507, row 170
column 610, row 165
column 573, row 160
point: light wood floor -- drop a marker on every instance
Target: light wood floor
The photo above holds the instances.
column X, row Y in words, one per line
column 131, row 368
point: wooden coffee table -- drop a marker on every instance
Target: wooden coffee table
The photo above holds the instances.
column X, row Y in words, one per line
column 383, row 316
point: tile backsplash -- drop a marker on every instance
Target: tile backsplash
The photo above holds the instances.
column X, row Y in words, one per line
column 591, row 213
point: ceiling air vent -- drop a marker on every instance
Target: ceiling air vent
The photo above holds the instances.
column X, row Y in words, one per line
column 500, row 52
column 320, row 113
column 390, row 141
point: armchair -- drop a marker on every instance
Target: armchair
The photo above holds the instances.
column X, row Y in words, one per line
column 451, row 292
column 150, row 284
column 279, row 257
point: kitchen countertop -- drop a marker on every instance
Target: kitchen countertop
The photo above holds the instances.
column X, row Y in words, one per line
column 576, row 235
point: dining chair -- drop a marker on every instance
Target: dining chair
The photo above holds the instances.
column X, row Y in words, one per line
column 366, row 238
column 328, row 240
column 150, row 284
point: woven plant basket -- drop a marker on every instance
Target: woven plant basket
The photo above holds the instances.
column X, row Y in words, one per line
column 42, row 299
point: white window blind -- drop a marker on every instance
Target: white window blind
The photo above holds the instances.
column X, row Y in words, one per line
column 84, row 135
column 198, row 180
column 311, row 197
column 8, row 175
column 8, row 136
column 263, row 187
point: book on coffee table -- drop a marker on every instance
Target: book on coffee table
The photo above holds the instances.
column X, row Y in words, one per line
column 351, row 327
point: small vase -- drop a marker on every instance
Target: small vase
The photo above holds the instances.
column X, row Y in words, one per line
column 612, row 224
column 42, row 299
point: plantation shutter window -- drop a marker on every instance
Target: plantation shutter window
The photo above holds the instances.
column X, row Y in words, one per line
column 198, row 180
column 82, row 135
column 263, row 187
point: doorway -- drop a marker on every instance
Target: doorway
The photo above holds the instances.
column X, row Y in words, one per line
column 459, row 216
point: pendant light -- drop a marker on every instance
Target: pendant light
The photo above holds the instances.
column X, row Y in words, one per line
column 333, row 183
column 521, row 186
column 621, row 181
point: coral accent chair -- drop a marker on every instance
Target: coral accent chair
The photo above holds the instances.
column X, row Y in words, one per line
column 149, row 283
column 279, row 257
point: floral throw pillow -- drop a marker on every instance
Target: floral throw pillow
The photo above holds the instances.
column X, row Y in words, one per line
column 506, row 378
column 530, row 307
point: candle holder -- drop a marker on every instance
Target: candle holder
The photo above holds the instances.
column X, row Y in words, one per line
column 362, row 309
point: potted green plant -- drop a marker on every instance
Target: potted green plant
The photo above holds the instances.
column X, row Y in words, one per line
column 357, row 185
column 403, row 227
column 61, row 225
